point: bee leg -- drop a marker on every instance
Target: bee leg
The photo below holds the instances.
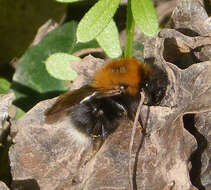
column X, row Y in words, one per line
column 104, row 135
column 99, row 138
column 119, row 106
column 97, row 142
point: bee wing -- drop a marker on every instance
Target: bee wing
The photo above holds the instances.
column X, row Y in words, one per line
column 66, row 101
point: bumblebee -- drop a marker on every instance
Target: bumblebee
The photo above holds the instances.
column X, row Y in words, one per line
column 96, row 108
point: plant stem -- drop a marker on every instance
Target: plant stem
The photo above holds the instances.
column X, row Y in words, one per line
column 130, row 24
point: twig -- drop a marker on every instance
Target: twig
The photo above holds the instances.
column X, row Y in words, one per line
column 130, row 168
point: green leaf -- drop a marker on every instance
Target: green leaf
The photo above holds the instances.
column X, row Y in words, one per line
column 58, row 65
column 80, row 46
column 68, row 1
column 145, row 16
column 96, row 19
column 20, row 113
column 108, row 39
column 31, row 82
column 4, row 86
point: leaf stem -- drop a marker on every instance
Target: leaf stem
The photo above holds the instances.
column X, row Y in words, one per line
column 130, row 25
